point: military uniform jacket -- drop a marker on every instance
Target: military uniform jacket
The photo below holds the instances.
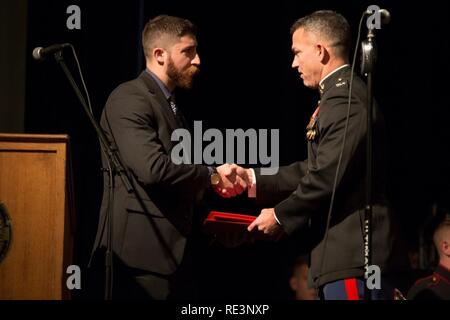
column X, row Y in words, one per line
column 301, row 192
column 434, row 287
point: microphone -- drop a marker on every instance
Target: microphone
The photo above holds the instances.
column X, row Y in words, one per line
column 40, row 53
column 384, row 14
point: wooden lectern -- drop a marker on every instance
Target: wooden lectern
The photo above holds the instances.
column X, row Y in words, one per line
column 36, row 188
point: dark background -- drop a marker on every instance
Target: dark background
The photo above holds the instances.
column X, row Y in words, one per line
column 246, row 81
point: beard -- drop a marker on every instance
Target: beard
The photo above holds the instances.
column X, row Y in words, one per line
column 182, row 79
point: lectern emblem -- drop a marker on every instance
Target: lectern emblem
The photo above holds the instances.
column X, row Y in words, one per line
column 5, row 231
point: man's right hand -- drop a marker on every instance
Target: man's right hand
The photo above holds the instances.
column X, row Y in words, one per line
column 234, row 180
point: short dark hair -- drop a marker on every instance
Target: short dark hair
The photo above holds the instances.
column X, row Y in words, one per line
column 329, row 25
column 164, row 25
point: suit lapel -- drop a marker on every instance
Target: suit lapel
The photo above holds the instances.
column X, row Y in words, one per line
column 155, row 91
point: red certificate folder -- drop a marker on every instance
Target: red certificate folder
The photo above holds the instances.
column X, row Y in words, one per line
column 222, row 224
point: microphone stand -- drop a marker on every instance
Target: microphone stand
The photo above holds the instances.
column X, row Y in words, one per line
column 369, row 55
column 115, row 168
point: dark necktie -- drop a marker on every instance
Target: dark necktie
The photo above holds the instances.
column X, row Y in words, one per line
column 173, row 105
column 177, row 113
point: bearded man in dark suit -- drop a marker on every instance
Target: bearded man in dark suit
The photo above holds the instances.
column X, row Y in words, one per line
column 297, row 198
column 152, row 224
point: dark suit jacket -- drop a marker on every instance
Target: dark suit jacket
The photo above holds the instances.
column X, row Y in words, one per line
column 150, row 225
column 302, row 191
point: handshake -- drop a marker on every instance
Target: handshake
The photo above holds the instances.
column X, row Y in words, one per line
column 233, row 180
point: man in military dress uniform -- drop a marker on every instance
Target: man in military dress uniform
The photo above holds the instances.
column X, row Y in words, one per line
column 151, row 230
column 298, row 196
column 437, row 285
